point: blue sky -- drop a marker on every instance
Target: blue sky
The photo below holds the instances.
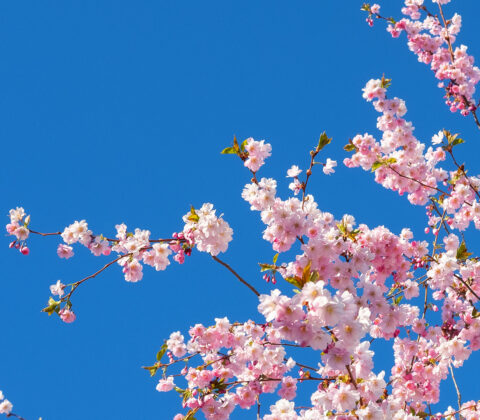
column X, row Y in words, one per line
column 116, row 111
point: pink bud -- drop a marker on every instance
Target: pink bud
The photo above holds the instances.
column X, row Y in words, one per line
column 24, row 250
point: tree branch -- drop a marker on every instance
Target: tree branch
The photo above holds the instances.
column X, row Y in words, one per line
column 236, row 274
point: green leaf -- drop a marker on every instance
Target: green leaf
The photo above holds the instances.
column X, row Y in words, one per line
column 457, row 141
column 193, row 217
column 398, row 299
column 462, row 253
column 350, row 147
column 275, row 257
column 294, row 281
column 323, row 141
column 314, row 276
column 190, row 415
column 377, row 164
column 162, row 351
column 341, row 227
column 228, row 151
column 306, row 272
column 242, row 146
column 452, row 139
column 385, row 83
column 365, row 7
column 235, row 145
column 53, row 306
column 265, row 267
column 152, row 369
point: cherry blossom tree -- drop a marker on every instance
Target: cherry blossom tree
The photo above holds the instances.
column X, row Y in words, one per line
column 353, row 284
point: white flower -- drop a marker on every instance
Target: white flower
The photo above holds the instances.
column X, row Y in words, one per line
column 438, row 138
column 294, row 171
column 328, row 167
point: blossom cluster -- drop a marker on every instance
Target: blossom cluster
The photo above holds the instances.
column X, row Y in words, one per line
column 18, row 227
column 203, row 229
column 354, row 285
column 402, row 164
column 432, row 39
column 350, row 280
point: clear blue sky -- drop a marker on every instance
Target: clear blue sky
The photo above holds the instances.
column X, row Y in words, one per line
column 116, row 111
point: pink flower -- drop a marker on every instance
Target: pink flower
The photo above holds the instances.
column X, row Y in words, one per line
column 210, row 232
column 375, row 8
column 67, row 315
column 258, row 151
column 288, row 390
column 64, row 251
column 165, row 385
column 21, row 233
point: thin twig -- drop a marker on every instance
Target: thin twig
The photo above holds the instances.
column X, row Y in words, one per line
column 459, row 396
column 78, row 283
column 462, row 169
column 44, row 234
column 15, row 415
column 417, row 181
column 236, row 274
column 467, row 286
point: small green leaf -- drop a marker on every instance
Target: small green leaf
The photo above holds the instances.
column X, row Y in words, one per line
column 323, row 141
column 385, row 83
column 162, row 351
column 314, row 276
column 265, row 267
column 275, row 257
column 462, row 253
column 306, row 272
column 457, row 141
column 53, row 306
column 294, row 281
column 228, row 151
column 190, row 415
column 152, row 369
column 193, row 217
column 342, row 228
column 377, row 164
column 350, row 147
column 242, row 146
column 235, row 145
